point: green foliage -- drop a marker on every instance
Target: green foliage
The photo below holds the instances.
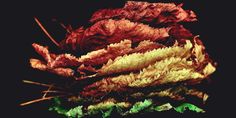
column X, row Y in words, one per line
column 191, row 107
column 107, row 109
column 107, row 113
column 75, row 112
column 163, row 107
column 139, row 106
column 57, row 107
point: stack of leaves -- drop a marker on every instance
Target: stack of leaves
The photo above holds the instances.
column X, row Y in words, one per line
column 136, row 59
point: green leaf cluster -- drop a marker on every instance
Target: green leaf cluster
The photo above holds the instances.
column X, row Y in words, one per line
column 106, row 111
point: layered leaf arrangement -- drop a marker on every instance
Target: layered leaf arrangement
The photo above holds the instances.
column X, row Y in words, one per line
column 136, row 59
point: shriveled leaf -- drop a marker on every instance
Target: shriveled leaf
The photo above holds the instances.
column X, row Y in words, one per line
column 127, row 63
column 37, row 64
column 101, row 56
column 170, row 70
column 147, row 12
column 162, row 72
column 145, row 46
column 167, row 70
column 65, row 72
column 64, row 60
column 112, row 31
column 43, row 51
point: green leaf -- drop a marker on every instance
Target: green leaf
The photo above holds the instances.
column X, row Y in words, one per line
column 57, row 107
column 163, row 107
column 107, row 113
column 119, row 109
column 139, row 106
column 191, row 107
column 107, row 108
column 75, row 112
column 57, row 101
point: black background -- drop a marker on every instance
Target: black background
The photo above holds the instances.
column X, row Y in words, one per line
column 213, row 26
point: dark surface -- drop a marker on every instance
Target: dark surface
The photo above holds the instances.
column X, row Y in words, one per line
column 211, row 27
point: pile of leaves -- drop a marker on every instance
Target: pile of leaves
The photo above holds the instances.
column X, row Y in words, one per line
column 135, row 59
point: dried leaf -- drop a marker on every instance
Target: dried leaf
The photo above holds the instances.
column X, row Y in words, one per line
column 170, row 70
column 43, row 51
column 109, row 31
column 101, row 56
column 146, row 12
column 37, row 64
column 64, row 60
column 127, row 63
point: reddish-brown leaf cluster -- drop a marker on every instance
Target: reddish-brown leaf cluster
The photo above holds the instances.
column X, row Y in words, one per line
column 157, row 13
column 114, row 25
column 130, row 49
